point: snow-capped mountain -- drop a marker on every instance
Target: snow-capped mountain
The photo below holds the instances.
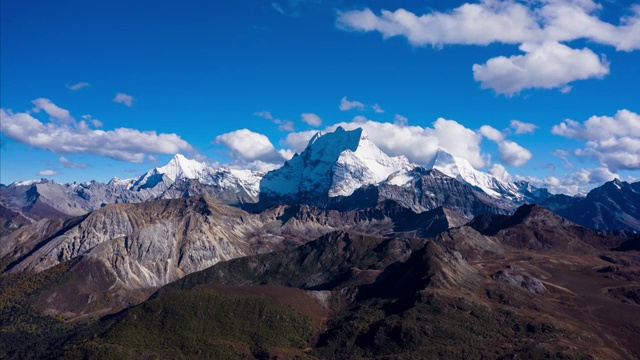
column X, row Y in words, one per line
column 462, row 170
column 182, row 169
column 333, row 164
column 181, row 177
column 177, row 169
column 338, row 170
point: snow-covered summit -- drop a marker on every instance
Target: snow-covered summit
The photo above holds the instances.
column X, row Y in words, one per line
column 178, row 168
column 333, row 164
column 25, row 182
column 462, row 170
column 182, row 168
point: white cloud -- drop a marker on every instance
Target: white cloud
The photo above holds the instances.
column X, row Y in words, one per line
column 623, row 123
column 580, row 181
column 247, row 147
column 70, row 164
column 123, row 98
column 494, row 21
column 500, row 172
column 311, row 119
column 400, row 120
column 521, row 127
column 418, row 144
column 79, row 86
column 52, row 110
column 549, row 65
column 613, row 141
column 473, row 24
column 491, row 133
column 47, row 172
column 298, row 141
column 348, row 105
column 538, row 26
column 283, row 125
column 76, row 137
column 377, row 109
column 513, row 154
column 510, row 152
column 95, row 122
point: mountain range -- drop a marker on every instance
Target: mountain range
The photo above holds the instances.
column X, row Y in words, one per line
column 340, row 170
column 365, row 254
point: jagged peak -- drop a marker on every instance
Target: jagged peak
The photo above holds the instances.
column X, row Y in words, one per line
column 339, row 140
column 449, row 163
column 181, row 167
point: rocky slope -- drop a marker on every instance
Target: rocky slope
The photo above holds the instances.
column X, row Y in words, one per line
column 124, row 251
column 501, row 284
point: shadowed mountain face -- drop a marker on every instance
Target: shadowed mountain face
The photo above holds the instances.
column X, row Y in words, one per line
column 513, row 286
column 613, row 206
column 531, row 285
column 123, row 252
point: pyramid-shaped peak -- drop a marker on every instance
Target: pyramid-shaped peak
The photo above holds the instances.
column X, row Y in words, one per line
column 180, row 159
column 180, row 167
column 333, row 164
column 441, row 157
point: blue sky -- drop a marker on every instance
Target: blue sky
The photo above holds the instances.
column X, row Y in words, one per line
column 192, row 75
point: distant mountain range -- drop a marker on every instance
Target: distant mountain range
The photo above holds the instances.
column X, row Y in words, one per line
column 341, row 170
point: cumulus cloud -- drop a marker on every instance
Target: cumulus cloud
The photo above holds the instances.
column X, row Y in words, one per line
column 510, row 152
column 580, row 181
column 491, row 133
column 71, row 137
column 123, row 98
column 613, row 141
column 70, row 164
column 79, row 86
column 348, row 105
column 549, row 65
column 513, row 154
column 418, row 144
column 47, row 172
column 500, row 172
column 252, row 150
column 298, row 141
column 311, row 119
column 520, row 127
column 538, row 26
column 494, row 21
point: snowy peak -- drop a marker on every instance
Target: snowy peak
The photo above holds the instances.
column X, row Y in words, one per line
column 117, row 182
column 182, row 168
column 329, row 146
column 333, row 164
column 462, row 170
column 449, row 164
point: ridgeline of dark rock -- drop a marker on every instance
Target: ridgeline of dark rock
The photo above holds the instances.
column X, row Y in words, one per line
column 612, row 206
